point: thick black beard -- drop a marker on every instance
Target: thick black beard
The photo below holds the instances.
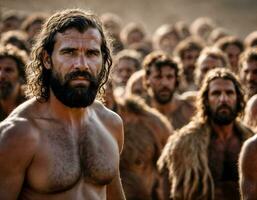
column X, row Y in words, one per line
column 6, row 90
column 74, row 96
column 222, row 119
column 161, row 100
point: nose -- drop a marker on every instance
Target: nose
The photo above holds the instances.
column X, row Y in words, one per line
column 223, row 98
column 82, row 63
column 165, row 82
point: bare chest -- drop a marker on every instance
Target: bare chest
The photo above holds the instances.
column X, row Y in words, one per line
column 67, row 158
column 223, row 158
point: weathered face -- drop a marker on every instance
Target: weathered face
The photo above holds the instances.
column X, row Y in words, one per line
column 233, row 53
column 9, row 77
column 207, row 64
column 162, row 83
column 248, row 75
column 76, row 62
column 222, row 101
column 123, row 70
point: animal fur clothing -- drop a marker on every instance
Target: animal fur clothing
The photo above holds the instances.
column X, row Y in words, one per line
column 185, row 156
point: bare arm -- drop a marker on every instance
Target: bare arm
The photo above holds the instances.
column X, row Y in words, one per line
column 247, row 169
column 16, row 153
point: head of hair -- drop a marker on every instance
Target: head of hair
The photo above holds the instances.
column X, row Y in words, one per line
column 250, row 54
column 16, row 38
column 130, row 28
column 128, row 54
column 224, row 42
column 19, row 56
column 251, row 39
column 159, row 59
column 202, row 102
column 162, row 31
column 188, row 44
column 38, row 75
column 34, row 18
column 214, row 53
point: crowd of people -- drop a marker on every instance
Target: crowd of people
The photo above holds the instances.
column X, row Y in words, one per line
column 92, row 108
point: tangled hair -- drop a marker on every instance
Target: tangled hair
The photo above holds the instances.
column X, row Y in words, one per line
column 250, row 54
column 38, row 75
column 189, row 44
column 17, row 38
column 128, row 54
column 202, row 103
column 19, row 56
column 210, row 52
column 159, row 59
column 224, row 42
column 161, row 32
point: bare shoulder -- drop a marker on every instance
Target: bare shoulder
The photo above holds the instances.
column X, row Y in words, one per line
column 17, row 129
column 111, row 120
column 249, row 149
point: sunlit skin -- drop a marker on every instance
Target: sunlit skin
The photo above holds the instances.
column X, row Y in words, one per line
column 62, row 152
column 225, row 144
column 248, row 75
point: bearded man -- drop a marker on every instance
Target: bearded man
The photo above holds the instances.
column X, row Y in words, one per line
column 201, row 158
column 161, row 78
column 62, row 144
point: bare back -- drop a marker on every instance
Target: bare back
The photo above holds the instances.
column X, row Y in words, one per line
column 64, row 161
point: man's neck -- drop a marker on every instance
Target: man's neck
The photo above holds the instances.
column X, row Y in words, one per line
column 167, row 108
column 65, row 113
column 224, row 132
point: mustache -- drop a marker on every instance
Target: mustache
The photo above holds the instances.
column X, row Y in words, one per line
column 75, row 74
column 224, row 106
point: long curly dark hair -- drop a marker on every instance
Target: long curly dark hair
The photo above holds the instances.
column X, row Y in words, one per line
column 38, row 75
column 202, row 103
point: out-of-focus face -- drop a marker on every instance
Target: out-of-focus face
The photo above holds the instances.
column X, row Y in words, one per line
column 189, row 60
column 222, row 101
column 162, row 83
column 135, row 37
column 233, row 53
column 10, row 24
column 112, row 28
column 248, row 76
column 75, row 63
column 123, row 70
column 9, row 77
column 207, row 64
column 34, row 29
column 168, row 42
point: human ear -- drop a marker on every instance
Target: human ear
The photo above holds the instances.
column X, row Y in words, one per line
column 46, row 60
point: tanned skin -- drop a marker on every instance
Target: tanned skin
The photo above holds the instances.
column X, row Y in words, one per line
column 50, row 151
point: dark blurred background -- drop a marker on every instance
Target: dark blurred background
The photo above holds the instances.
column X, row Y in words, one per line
column 238, row 16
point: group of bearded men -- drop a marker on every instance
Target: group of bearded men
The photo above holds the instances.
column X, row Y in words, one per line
column 91, row 109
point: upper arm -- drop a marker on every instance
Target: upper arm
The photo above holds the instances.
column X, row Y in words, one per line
column 247, row 169
column 16, row 153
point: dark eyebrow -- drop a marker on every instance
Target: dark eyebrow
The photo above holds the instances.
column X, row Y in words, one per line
column 67, row 49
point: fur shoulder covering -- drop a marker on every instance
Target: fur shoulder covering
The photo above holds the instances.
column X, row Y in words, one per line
column 185, row 157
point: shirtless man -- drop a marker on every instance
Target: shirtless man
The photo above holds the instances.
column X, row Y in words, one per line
column 62, row 144
column 162, row 80
column 201, row 158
